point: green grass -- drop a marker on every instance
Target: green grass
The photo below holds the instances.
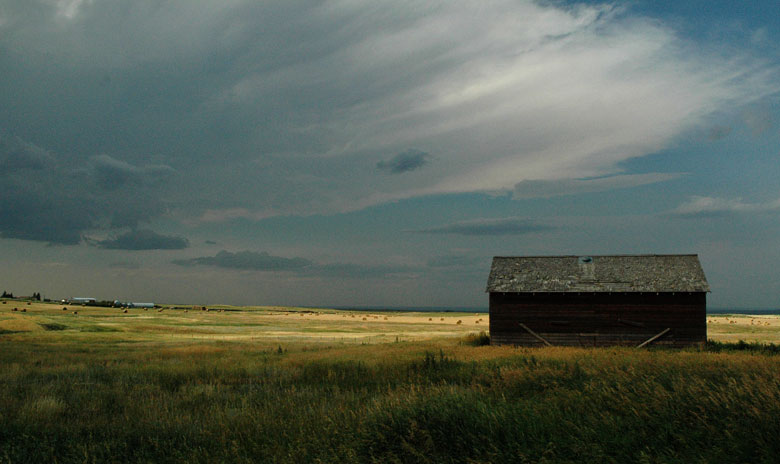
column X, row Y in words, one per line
column 136, row 395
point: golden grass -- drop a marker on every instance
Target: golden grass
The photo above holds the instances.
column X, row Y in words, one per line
column 271, row 324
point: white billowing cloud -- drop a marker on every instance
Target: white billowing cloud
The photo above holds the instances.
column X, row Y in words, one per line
column 554, row 188
column 699, row 206
column 506, row 92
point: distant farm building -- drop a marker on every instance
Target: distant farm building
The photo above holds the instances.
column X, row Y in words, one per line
column 79, row 300
column 120, row 304
column 598, row 300
column 140, row 305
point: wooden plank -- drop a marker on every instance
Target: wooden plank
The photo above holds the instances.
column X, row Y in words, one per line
column 654, row 337
column 534, row 334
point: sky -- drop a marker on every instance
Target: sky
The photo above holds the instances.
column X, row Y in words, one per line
column 380, row 153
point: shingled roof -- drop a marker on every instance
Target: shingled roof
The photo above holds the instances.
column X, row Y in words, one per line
column 615, row 273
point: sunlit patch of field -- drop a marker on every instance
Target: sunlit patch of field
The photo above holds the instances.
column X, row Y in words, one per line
column 749, row 328
column 271, row 324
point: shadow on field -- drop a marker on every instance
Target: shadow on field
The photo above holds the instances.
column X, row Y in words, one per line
column 762, row 348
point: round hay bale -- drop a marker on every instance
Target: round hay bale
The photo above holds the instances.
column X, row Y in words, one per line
column 124, row 312
column 15, row 309
column 64, row 308
column 24, row 310
column 75, row 312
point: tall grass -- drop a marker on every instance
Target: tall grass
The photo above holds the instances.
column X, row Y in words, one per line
column 405, row 402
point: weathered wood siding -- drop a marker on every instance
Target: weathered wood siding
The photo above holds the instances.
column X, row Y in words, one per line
column 598, row 319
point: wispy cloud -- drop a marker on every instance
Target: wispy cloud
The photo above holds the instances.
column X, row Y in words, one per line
column 410, row 160
column 554, row 188
column 144, row 239
column 699, row 206
column 477, row 227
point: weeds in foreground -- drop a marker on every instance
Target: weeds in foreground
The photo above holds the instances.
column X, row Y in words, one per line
column 410, row 402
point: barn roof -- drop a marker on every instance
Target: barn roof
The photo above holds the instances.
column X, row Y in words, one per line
column 615, row 273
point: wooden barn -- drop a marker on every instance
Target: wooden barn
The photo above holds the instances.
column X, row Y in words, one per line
column 598, row 300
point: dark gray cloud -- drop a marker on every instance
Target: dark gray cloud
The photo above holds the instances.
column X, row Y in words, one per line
column 48, row 197
column 16, row 155
column 111, row 173
column 144, row 239
column 263, row 261
column 248, row 260
column 561, row 187
column 408, row 161
column 453, row 261
column 477, row 227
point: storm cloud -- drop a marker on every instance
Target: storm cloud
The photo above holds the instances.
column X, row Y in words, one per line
column 47, row 197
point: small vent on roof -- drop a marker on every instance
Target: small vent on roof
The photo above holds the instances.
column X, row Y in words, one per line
column 585, row 259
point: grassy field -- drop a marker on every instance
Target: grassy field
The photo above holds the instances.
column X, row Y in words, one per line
column 271, row 384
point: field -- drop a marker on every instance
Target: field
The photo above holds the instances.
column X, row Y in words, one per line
column 273, row 384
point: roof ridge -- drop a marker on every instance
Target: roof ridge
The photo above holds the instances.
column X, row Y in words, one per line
column 596, row 256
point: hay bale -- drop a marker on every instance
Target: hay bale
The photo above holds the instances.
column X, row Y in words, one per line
column 124, row 312
column 75, row 312
column 24, row 310
column 15, row 309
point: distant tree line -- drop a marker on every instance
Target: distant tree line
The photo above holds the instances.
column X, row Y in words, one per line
column 35, row 296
